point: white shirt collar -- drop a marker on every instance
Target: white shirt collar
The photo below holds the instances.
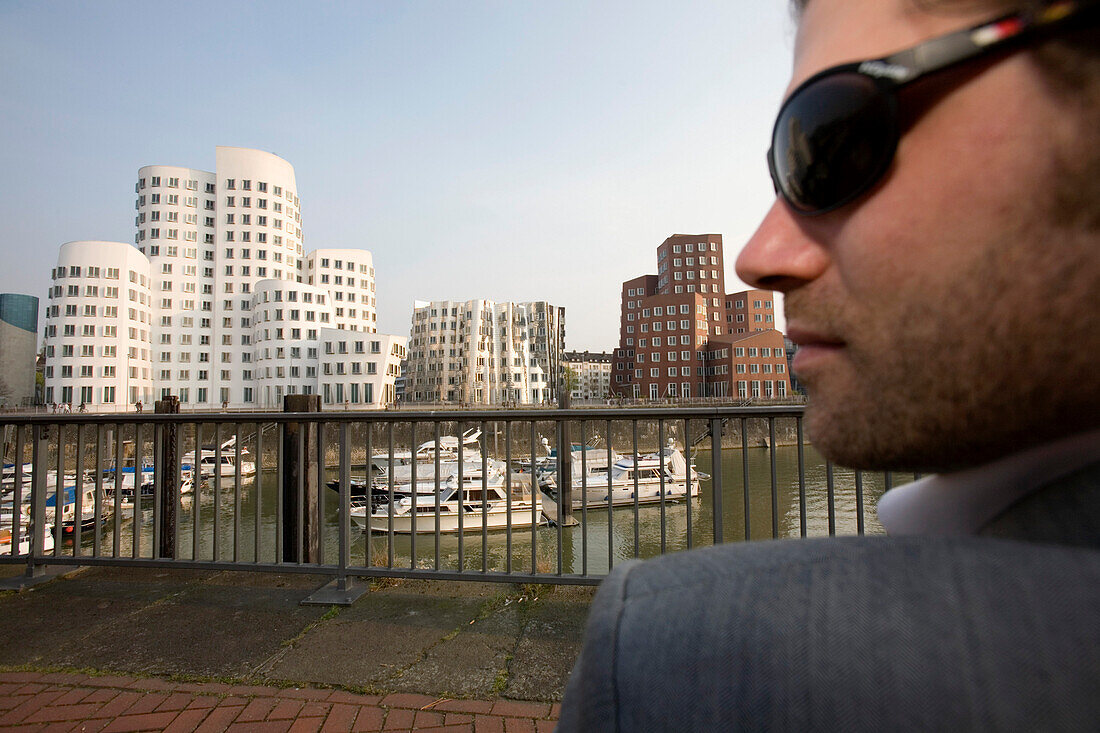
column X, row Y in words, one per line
column 963, row 502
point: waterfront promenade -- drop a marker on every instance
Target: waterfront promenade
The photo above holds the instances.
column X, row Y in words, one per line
column 124, row 649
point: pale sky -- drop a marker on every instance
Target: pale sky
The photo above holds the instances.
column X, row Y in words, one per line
column 509, row 150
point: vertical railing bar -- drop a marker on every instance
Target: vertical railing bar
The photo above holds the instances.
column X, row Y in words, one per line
column 17, row 493
column 801, row 479
column 462, row 497
column 561, row 506
column 774, row 479
column 507, row 499
column 78, row 508
column 178, row 468
column 412, row 525
column 661, row 481
column 485, row 502
column 716, row 477
column 637, row 490
column 59, row 492
column 438, row 491
column 257, row 491
column 300, row 520
column 99, row 494
column 368, row 479
column 118, row 491
column 322, row 428
column 830, row 486
column 217, row 490
column 859, row 502
column 688, row 459
column 389, row 482
column 535, row 504
column 280, row 458
column 237, row 492
column 745, row 475
column 584, row 498
column 158, row 481
column 196, row 479
column 138, row 519
column 343, row 552
column 610, row 505
column 40, row 449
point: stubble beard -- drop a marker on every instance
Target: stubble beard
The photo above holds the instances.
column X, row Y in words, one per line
column 976, row 366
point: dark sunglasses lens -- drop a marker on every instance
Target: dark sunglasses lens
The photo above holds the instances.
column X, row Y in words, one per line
column 832, row 141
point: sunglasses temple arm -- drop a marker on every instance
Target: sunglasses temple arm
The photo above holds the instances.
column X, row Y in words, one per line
column 998, row 35
column 937, row 54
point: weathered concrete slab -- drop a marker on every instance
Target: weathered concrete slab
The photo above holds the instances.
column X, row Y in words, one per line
column 549, row 644
column 471, row 663
column 56, row 622
column 445, row 639
column 385, row 632
column 204, row 630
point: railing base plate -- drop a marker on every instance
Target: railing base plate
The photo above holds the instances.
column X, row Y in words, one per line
column 40, row 574
column 336, row 593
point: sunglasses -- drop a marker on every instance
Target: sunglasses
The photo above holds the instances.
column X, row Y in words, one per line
column 837, row 133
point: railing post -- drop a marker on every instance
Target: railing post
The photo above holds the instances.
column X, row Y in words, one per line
column 565, row 463
column 37, row 571
column 344, row 591
column 299, row 469
column 40, row 450
column 716, row 475
column 168, row 462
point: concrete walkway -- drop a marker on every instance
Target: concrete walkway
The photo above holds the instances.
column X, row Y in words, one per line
column 138, row 649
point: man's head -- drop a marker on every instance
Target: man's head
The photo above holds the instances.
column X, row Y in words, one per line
column 948, row 315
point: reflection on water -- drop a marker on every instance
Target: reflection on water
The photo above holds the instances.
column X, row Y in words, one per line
column 230, row 521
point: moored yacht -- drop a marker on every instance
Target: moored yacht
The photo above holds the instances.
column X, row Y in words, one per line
column 482, row 500
column 649, row 477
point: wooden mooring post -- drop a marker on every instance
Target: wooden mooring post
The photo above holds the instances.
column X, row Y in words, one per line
column 565, row 462
column 167, row 462
column 301, row 537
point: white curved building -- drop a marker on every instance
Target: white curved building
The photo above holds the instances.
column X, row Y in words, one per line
column 206, row 245
column 484, row 352
column 99, row 325
column 301, row 348
column 287, row 318
column 349, row 275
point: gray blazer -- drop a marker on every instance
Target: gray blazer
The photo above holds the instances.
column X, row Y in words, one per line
column 875, row 633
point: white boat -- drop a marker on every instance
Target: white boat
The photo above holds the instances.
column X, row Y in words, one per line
column 588, row 456
column 7, row 476
column 7, row 485
column 629, row 477
column 425, row 455
column 149, row 491
column 482, row 505
column 210, row 465
column 24, row 547
column 69, row 507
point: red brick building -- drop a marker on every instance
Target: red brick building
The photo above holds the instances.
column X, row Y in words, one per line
column 681, row 334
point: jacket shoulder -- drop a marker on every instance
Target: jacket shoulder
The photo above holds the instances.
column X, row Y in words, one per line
column 843, row 632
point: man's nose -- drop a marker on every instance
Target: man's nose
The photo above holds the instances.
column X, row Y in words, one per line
column 780, row 255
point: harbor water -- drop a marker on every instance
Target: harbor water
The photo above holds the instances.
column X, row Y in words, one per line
column 230, row 515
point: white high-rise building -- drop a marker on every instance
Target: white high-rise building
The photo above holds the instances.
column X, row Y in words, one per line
column 206, row 246
column 483, row 352
column 99, row 325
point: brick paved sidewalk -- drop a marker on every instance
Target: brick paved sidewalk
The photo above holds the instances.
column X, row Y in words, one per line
column 37, row 701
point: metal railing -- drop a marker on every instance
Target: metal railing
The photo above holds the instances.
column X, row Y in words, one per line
column 348, row 494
